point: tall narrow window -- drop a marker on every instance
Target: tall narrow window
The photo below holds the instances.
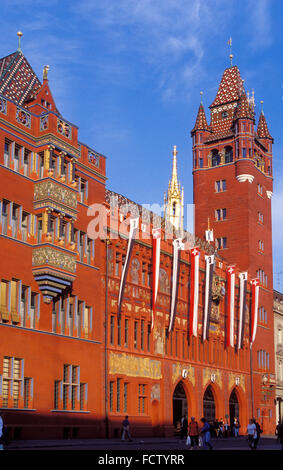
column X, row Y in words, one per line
column 112, row 323
column 27, row 154
column 135, row 334
column 111, row 396
column 119, row 331
column 23, row 306
column 15, row 215
column 118, row 398
column 142, row 335
column 81, row 246
column 142, row 399
column 125, row 397
column 33, row 308
column 41, row 164
column 17, row 154
column 148, row 336
column 7, row 147
column 126, row 336
column 25, row 217
column 5, row 209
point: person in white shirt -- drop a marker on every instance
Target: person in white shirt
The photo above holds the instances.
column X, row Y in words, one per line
column 252, row 433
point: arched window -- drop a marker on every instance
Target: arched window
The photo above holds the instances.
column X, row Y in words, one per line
column 228, row 154
column 209, row 405
column 216, row 159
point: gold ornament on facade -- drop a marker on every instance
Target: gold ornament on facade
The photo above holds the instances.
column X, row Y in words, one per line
column 52, row 257
column 177, row 372
column 212, row 376
column 218, row 289
column 236, row 380
column 132, row 366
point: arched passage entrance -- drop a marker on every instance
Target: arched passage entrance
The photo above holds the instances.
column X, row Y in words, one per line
column 233, row 406
column 209, row 405
column 180, row 405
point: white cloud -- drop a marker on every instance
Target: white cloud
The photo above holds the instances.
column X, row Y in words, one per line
column 260, row 23
column 169, row 35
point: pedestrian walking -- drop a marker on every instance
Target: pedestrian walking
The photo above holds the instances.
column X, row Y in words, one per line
column 258, row 433
column 252, row 434
column 184, row 427
column 221, row 428
column 236, row 427
column 205, row 432
column 126, row 429
column 193, row 432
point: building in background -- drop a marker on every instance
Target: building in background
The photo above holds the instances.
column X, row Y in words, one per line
column 278, row 344
column 77, row 352
column 174, row 199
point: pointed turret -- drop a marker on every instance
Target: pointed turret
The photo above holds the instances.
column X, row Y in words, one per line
column 201, row 122
column 262, row 129
column 243, row 109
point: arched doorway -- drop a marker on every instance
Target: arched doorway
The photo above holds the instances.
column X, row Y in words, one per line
column 209, row 405
column 233, row 407
column 180, row 405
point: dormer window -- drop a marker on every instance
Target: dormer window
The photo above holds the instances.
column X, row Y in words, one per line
column 224, row 114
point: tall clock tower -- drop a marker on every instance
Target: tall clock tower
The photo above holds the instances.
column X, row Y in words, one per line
column 233, row 183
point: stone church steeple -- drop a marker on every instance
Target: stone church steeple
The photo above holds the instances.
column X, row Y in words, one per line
column 174, row 200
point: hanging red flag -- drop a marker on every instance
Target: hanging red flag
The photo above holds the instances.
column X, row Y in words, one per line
column 243, row 293
column 194, row 292
column 134, row 225
column 156, row 240
column 254, row 313
column 177, row 246
column 230, row 305
column 209, row 268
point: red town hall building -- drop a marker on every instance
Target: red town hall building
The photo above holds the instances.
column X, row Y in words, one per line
column 75, row 357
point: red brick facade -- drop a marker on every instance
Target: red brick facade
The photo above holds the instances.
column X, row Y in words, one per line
column 68, row 366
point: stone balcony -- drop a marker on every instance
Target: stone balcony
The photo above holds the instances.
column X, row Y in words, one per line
column 54, row 269
column 52, row 194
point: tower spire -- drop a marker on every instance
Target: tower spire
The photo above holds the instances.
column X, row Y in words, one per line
column 174, row 201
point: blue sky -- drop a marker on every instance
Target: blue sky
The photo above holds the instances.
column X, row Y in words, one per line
column 129, row 74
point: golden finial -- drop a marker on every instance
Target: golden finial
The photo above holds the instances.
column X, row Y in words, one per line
column 19, row 34
column 261, row 102
column 201, row 93
column 45, row 72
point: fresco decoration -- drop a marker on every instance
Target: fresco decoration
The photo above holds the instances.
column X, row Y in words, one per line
column 44, row 122
column 3, row 106
column 23, row 117
column 64, row 129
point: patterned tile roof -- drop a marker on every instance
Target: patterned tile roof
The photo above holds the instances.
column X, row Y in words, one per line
column 201, row 122
column 225, row 134
column 262, row 129
column 17, row 78
column 230, row 88
column 243, row 109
